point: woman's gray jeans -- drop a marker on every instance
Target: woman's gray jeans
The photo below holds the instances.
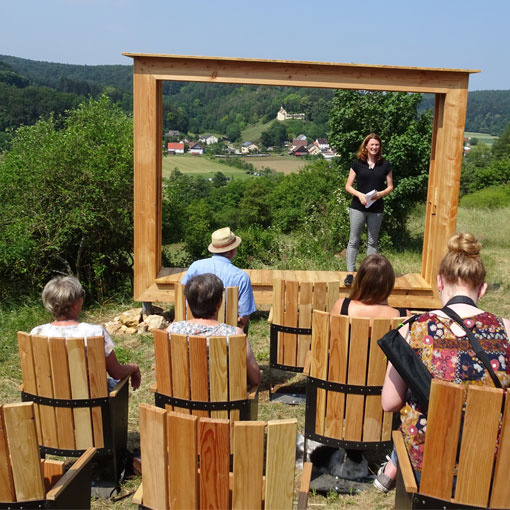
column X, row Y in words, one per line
column 358, row 220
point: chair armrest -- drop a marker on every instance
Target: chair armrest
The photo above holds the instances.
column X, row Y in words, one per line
column 138, row 497
column 154, row 387
column 404, row 463
column 270, row 317
column 118, row 387
column 305, row 486
column 66, row 480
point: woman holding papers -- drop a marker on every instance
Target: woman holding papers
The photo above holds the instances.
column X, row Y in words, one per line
column 374, row 180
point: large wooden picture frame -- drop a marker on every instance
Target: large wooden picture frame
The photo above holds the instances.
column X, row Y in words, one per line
column 450, row 87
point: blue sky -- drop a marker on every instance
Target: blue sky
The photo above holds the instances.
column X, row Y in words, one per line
column 446, row 34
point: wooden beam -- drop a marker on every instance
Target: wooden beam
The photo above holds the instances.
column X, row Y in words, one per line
column 297, row 74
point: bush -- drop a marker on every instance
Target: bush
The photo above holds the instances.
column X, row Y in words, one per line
column 66, row 198
column 493, row 197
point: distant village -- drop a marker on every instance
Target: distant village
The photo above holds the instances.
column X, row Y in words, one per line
column 299, row 146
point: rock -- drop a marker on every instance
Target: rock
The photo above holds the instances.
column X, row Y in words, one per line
column 113, row 327
column 156, row 322
column 142, row 328
column 131, row 331
column 131, row 318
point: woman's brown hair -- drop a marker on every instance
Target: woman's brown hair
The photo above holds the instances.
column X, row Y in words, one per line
column 362, row 151
column 374, row 280
column 463, row 262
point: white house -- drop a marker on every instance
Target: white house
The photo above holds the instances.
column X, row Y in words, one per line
column 175, row 148
column 196, row 148
column 283, row 115
column 248, row 147
column 322, row 144
column 208, row 139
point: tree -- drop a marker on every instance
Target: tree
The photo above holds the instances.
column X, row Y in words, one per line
column 406, row 136
column 501, row 147
column 66, row 198
column 276, row 134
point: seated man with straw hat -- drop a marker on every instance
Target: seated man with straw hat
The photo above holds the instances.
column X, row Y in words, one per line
column 223, row 246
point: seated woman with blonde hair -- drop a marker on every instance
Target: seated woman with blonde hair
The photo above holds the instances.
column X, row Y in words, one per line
column 204, row 294
column 63, row 298
column 443, row 345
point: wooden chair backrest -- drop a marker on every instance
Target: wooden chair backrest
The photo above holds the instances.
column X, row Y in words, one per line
column 293, row 303
column 345, row 350
column 63, row 368
column 201, row 369
column 482, row 469
column 227, row 313
column 171, row 444
column 23, row 475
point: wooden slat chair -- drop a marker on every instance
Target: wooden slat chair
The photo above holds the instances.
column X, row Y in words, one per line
column 26, row 481
column 186, row 463
column 291, row 321
column 203, row 376
column 462, row 468
column 343, row 400
column 227, row 313
column 74, row 411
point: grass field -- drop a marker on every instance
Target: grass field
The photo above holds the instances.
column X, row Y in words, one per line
column 206, row 167
column 252, row 133
column 482, row 137
column 139, row 348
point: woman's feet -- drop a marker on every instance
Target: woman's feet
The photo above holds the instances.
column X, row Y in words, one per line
column 385, row 479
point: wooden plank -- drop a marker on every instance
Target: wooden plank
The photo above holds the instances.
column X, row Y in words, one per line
column 373, row 420
column 163, row 362
column 337, row 372
column 404, row 463
column 24, row 451
column 26, row 357
column 356, row 374
column 182, row 460
column 280, row 463
column 237, row 379
column 180, row 369
column 232, row 298
column 387, row 426
column 218, row 377
column 62, row 389
column 97, row 382
column 52, row 470
column 248, row 450
column 290, row 318
column 221, row 311
column 440, row 453
column 180, row 303
column 45, row 389
column 479, row 436
column 199, row 371
column 154, row 455
column 305, row 321
column 79, row 390
column 500, row 495
column 320, row 296
column 333, row 293
column 319, row 365
column 214, row 463
column 7, row 492
column 278, row 307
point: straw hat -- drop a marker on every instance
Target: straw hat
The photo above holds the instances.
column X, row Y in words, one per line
column 223, row 240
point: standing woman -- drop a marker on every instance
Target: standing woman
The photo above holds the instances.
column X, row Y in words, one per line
column 372, row 173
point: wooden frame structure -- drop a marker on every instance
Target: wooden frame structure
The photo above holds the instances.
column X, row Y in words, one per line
column 450, row 87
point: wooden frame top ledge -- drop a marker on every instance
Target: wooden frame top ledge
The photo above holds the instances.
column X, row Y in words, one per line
column 450, row 87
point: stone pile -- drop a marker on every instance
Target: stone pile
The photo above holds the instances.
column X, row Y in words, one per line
column 133, row 321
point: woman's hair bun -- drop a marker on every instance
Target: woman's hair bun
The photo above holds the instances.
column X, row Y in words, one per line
column 464, row 243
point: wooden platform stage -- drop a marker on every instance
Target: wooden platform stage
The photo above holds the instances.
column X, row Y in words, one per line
column 411, row 290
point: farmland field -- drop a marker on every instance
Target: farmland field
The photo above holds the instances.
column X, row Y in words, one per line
column 482, row 137
column 206, row 167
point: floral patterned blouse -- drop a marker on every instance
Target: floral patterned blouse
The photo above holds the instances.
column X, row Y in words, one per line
column 192, row 329
column 451, row 358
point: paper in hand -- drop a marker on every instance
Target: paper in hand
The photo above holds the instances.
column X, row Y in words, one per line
column 370, row 198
